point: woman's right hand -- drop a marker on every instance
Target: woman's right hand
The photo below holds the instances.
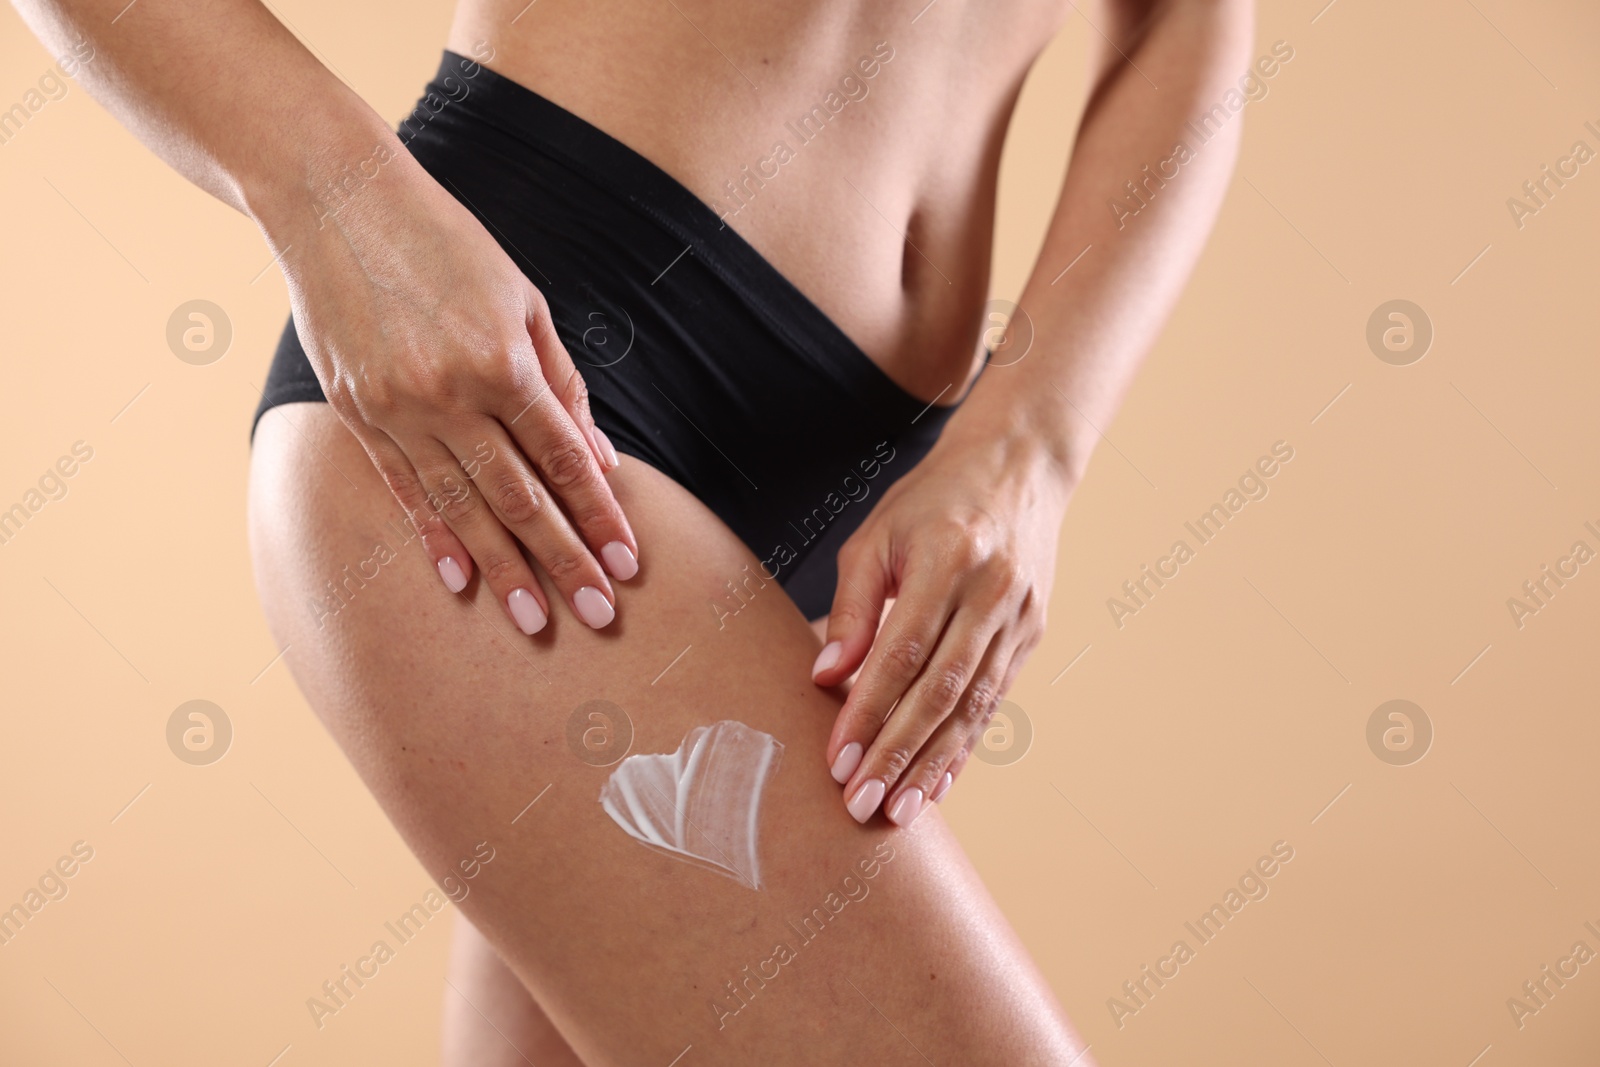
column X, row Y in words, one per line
column 441, row 357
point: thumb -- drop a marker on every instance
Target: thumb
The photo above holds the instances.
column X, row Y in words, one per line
column 865, row 582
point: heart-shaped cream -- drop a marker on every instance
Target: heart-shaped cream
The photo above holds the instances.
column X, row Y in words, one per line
column 701, row 803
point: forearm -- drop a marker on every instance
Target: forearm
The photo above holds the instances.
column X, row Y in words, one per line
column 222, row 92
column 1130, row 249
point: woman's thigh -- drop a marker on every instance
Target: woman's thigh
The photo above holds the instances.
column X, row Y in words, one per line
column 863, row 943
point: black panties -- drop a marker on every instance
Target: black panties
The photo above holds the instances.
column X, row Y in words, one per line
column 701, row 359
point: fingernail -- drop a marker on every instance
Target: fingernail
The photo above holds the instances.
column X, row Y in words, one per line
column 619, row 561
column 907, row 808
column 846, row 762
column 943, row 787
column 607, row 453
column 455, row 579
column 827, row 657
column 593, row 607
column 865, row 802
column 526, row 610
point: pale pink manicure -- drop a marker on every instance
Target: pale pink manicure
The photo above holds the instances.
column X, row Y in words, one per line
column 619, row 560
column 865, row 802
column 455, row 579
column 593, row 607
column 907, row 808
column 607, row 453
column 526, row 610
column 846, row 762
column 943, row 787
column 828, row 657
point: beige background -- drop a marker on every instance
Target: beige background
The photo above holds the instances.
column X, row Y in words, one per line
column 1224, row 717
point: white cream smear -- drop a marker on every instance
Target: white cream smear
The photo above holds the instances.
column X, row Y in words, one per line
column 701, row 803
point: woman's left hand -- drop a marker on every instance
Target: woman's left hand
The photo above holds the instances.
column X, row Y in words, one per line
column 965, row 544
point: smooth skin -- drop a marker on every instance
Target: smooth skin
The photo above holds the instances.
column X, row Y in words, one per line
column 457, row 721
column 447, row 383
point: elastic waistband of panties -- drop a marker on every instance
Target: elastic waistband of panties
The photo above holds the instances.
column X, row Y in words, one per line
column 624, row 178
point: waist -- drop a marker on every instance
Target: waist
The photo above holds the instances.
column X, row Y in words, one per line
column 855, row 149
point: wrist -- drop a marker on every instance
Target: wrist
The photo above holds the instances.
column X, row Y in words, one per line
column 319, row 182
column 1014, row 450
column 1033, row 428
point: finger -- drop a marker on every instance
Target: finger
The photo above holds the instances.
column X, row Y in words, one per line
column 897, row 656
column 563, row 376
column 500, row 562
column 449, row 556
column 865, row 581
column 932, row 772
column 554, row 444
column 952, row 773
column 525, row 507
column 928, row 703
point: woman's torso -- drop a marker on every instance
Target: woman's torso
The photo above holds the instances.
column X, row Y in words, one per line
column 854, row 143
